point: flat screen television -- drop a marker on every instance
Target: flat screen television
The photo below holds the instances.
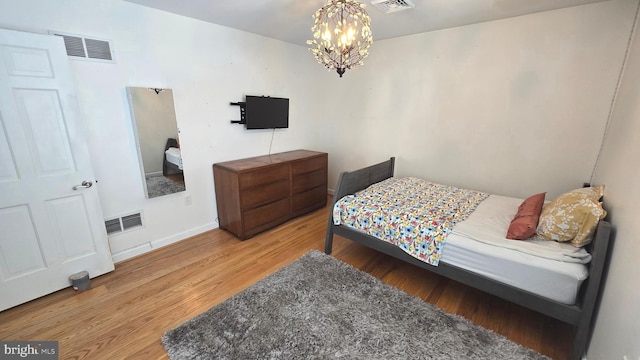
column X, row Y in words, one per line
column 265, row 112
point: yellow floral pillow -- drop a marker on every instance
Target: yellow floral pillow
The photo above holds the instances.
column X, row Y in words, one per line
column 573, row 216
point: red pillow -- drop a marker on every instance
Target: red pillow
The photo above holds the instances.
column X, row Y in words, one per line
column 525, row 222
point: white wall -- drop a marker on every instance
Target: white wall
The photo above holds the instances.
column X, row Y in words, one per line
column 618, row 325
column 513, row 107
column 207, row 66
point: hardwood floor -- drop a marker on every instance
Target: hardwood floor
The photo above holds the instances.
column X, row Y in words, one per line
column 124, row 313
column 179, row 178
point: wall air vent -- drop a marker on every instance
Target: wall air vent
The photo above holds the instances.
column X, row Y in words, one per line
column 123, row 223
column 113, row 226
column 83, row 48
column 389, row 6
column 131, row 221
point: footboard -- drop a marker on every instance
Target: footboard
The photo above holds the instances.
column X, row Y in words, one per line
column 350, row 182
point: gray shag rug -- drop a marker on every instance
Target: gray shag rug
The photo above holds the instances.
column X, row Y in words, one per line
column 158, row 185
column 321, row 308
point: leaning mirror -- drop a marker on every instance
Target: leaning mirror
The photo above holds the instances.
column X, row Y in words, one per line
column 156, row 132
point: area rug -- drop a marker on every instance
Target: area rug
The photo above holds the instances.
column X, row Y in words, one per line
column 159, row 185
column 321, row 308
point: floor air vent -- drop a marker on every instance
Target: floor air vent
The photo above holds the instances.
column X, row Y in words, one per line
column 123, row 223
column 80, row 47
column 389, row 6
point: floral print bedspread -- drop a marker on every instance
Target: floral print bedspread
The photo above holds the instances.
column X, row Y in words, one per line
column 411, row 213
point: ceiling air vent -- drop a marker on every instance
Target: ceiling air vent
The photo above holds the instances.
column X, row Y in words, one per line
column 83, row 48
column 389, row 6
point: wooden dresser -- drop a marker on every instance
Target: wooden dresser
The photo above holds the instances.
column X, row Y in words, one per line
column 258, row 193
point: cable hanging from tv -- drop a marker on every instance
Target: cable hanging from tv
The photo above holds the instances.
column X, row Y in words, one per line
column 263, row 112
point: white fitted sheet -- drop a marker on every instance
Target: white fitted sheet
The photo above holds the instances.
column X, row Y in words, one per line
column 478, row 244
column 174, row 156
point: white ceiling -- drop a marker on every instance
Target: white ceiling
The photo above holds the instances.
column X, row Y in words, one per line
column 291, row 21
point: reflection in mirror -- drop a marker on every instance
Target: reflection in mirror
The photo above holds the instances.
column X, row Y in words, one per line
column 156, row 131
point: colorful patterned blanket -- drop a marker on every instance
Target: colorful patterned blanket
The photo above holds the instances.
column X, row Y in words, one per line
column 411, row 213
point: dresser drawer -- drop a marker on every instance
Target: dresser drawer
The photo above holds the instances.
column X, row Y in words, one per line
column 265, row 217
column 309, row 200
column 264, row 176
column 264, row 194
column 309, row 180
column 308, row 165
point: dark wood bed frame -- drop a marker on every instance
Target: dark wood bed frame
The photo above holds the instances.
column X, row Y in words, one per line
column 580, row 315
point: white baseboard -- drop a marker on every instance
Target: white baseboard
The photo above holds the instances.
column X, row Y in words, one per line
column 156, row 244
column 152, row 245
column 131, row 252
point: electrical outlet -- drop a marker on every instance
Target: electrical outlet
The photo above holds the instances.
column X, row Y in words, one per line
column 187, row 200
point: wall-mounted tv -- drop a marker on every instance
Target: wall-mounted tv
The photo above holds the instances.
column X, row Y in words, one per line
column 265, row 112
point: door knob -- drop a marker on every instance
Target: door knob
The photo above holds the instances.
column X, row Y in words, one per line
column 85, row 184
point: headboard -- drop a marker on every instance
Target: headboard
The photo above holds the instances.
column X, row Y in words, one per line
column 350, row 182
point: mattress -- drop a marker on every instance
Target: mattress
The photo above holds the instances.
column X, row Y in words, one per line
column 173, row 156
column 478, row 244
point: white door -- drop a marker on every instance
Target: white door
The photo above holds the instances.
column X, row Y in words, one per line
column 49, row 230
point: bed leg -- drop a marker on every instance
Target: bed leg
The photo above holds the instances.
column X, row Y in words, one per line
column 579, row 342
column 328, row 241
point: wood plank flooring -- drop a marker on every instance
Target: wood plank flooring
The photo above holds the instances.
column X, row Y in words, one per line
column 124, row 313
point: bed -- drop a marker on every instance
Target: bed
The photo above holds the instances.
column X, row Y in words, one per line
column 172, row 160
column 506, row 273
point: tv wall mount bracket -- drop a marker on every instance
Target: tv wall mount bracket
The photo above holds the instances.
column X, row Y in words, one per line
column 243, row 108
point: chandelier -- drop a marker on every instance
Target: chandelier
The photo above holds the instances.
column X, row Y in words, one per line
column 341, row 35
